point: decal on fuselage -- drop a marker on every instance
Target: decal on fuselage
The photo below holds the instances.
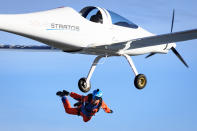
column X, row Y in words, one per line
column 55, row 26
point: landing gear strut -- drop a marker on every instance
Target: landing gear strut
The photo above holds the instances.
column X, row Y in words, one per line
column 139, row 82
column 140, row 79
column 84, row 83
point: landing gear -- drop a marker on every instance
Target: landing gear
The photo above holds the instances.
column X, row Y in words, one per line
column 84, row 83
column 139, row 82
column 140, row 79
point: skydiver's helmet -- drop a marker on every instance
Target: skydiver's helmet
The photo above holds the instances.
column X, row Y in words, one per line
column 97, row 94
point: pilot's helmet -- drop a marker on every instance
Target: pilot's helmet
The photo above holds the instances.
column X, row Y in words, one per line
column 98, row 14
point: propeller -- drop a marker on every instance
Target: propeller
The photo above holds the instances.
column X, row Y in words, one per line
column 172, row 25
column 172, row 48
column 179, row 56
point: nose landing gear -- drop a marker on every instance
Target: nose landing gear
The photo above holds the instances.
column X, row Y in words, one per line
column 140, row 79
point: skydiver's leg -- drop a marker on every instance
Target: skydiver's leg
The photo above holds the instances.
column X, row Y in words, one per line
column 68, row 108
column 85, row 118
column 76, row 96
column 73, row 111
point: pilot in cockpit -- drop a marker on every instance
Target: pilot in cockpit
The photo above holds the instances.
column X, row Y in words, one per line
column 97, row 18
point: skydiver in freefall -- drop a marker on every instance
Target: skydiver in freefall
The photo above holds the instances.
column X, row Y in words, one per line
column 87, row 106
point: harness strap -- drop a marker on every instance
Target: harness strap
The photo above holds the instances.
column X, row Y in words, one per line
column 83, row 105
column 100, row 104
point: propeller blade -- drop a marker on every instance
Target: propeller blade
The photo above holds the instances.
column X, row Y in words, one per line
column 151, row 54
column 179, row 56
column 172, row 25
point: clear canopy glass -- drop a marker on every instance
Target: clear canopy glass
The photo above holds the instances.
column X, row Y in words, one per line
column 121, row 21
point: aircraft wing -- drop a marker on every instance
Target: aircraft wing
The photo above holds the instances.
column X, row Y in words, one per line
column 164, row 39
column 145, row 42
column 28, row 48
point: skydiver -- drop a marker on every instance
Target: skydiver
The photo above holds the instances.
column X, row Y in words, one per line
column 87, row 106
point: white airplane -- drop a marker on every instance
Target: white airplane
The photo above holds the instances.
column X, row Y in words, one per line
column 92, row 31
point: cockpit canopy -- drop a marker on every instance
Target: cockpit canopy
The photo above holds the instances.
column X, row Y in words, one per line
column 103, row 16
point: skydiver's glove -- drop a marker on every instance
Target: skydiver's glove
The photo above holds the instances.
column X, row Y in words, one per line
column 66, row 93
column 111, row 111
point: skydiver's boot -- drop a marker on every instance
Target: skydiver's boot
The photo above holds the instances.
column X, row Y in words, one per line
column 62, row 93
column 66, row 93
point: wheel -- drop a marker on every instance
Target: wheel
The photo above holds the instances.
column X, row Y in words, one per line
column 83, row 85
column 140, row 81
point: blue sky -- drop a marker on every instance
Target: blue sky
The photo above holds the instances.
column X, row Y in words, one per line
column 29, row 80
